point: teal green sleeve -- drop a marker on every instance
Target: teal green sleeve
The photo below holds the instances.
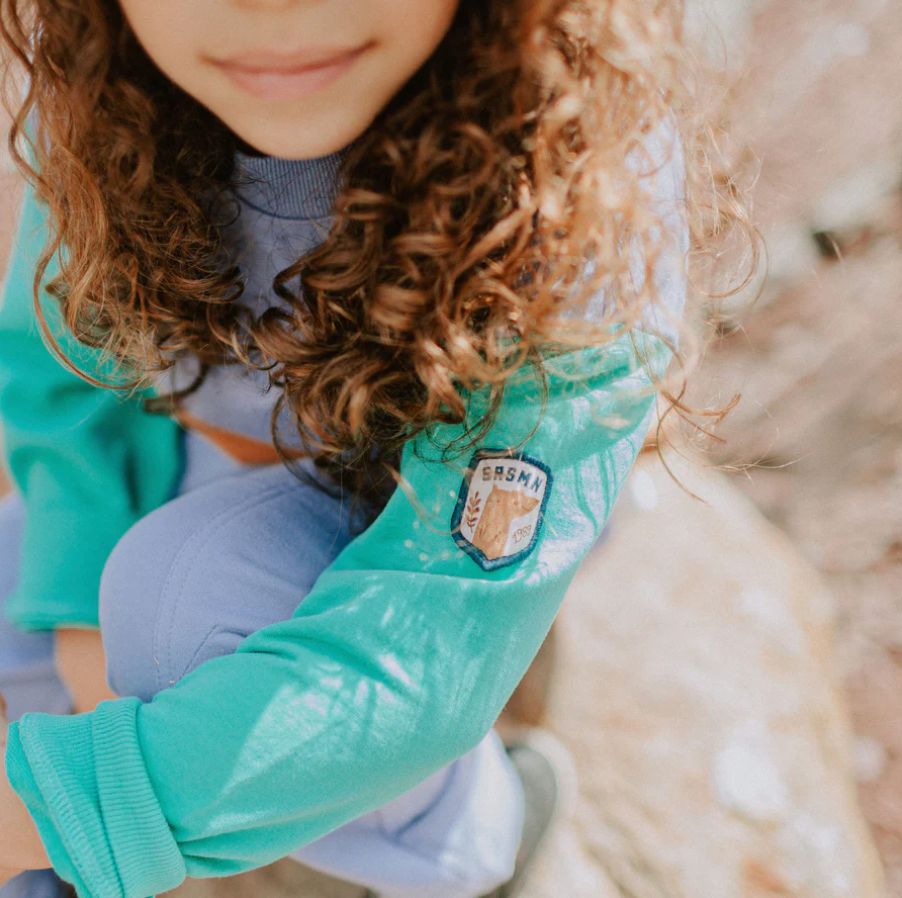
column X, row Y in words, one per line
column 88, row 461
column 397, row 662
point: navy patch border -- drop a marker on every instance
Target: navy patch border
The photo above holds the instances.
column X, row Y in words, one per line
column 489, row 564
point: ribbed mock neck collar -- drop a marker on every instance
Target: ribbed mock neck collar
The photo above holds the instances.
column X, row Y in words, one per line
column 289, row 188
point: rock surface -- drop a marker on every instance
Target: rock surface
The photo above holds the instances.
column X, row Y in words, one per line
column 718, row 761
column 819, row 360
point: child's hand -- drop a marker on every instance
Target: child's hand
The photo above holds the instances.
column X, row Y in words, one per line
column 6, row 874
column 19, row 840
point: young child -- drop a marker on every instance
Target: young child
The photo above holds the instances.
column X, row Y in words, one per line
column 327, row 239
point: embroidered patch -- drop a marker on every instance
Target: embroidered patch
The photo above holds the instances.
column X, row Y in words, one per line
column 501, row 506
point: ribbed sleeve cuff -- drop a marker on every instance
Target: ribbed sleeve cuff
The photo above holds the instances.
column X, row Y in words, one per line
column 63, row 590
column 84, row 782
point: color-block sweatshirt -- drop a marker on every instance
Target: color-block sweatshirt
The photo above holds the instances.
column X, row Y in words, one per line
column 414, row 638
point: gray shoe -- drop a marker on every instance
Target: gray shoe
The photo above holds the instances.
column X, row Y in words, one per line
column 543, row 765
column 548, row 776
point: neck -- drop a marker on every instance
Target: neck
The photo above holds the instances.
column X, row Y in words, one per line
column 289, row 188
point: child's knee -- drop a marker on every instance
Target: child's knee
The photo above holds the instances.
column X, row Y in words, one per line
column 191, row 580
column 131, row 591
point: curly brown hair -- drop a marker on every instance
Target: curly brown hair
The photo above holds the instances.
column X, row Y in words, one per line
column 461, row 230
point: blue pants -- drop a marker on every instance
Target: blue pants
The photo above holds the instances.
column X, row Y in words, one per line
column 236, row 550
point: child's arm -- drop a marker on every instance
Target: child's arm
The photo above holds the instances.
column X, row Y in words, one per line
column 88, row 461
column 398, row 661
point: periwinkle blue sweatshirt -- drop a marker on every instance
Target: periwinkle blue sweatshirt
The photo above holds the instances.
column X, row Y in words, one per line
column 413, row 639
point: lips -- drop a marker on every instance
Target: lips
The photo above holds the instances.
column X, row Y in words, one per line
column 279, row 76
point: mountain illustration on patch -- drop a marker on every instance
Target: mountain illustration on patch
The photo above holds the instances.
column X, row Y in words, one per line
column 499, row 510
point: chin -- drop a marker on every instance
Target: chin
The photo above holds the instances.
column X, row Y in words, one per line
column 300, row 141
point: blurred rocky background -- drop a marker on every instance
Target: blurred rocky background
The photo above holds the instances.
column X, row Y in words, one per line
column 733, row 695
column 819, row 358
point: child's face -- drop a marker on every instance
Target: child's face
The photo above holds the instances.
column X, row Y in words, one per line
column 293, row 78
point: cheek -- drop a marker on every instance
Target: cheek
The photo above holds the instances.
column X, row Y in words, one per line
column 416, row 27
column 169, row 32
